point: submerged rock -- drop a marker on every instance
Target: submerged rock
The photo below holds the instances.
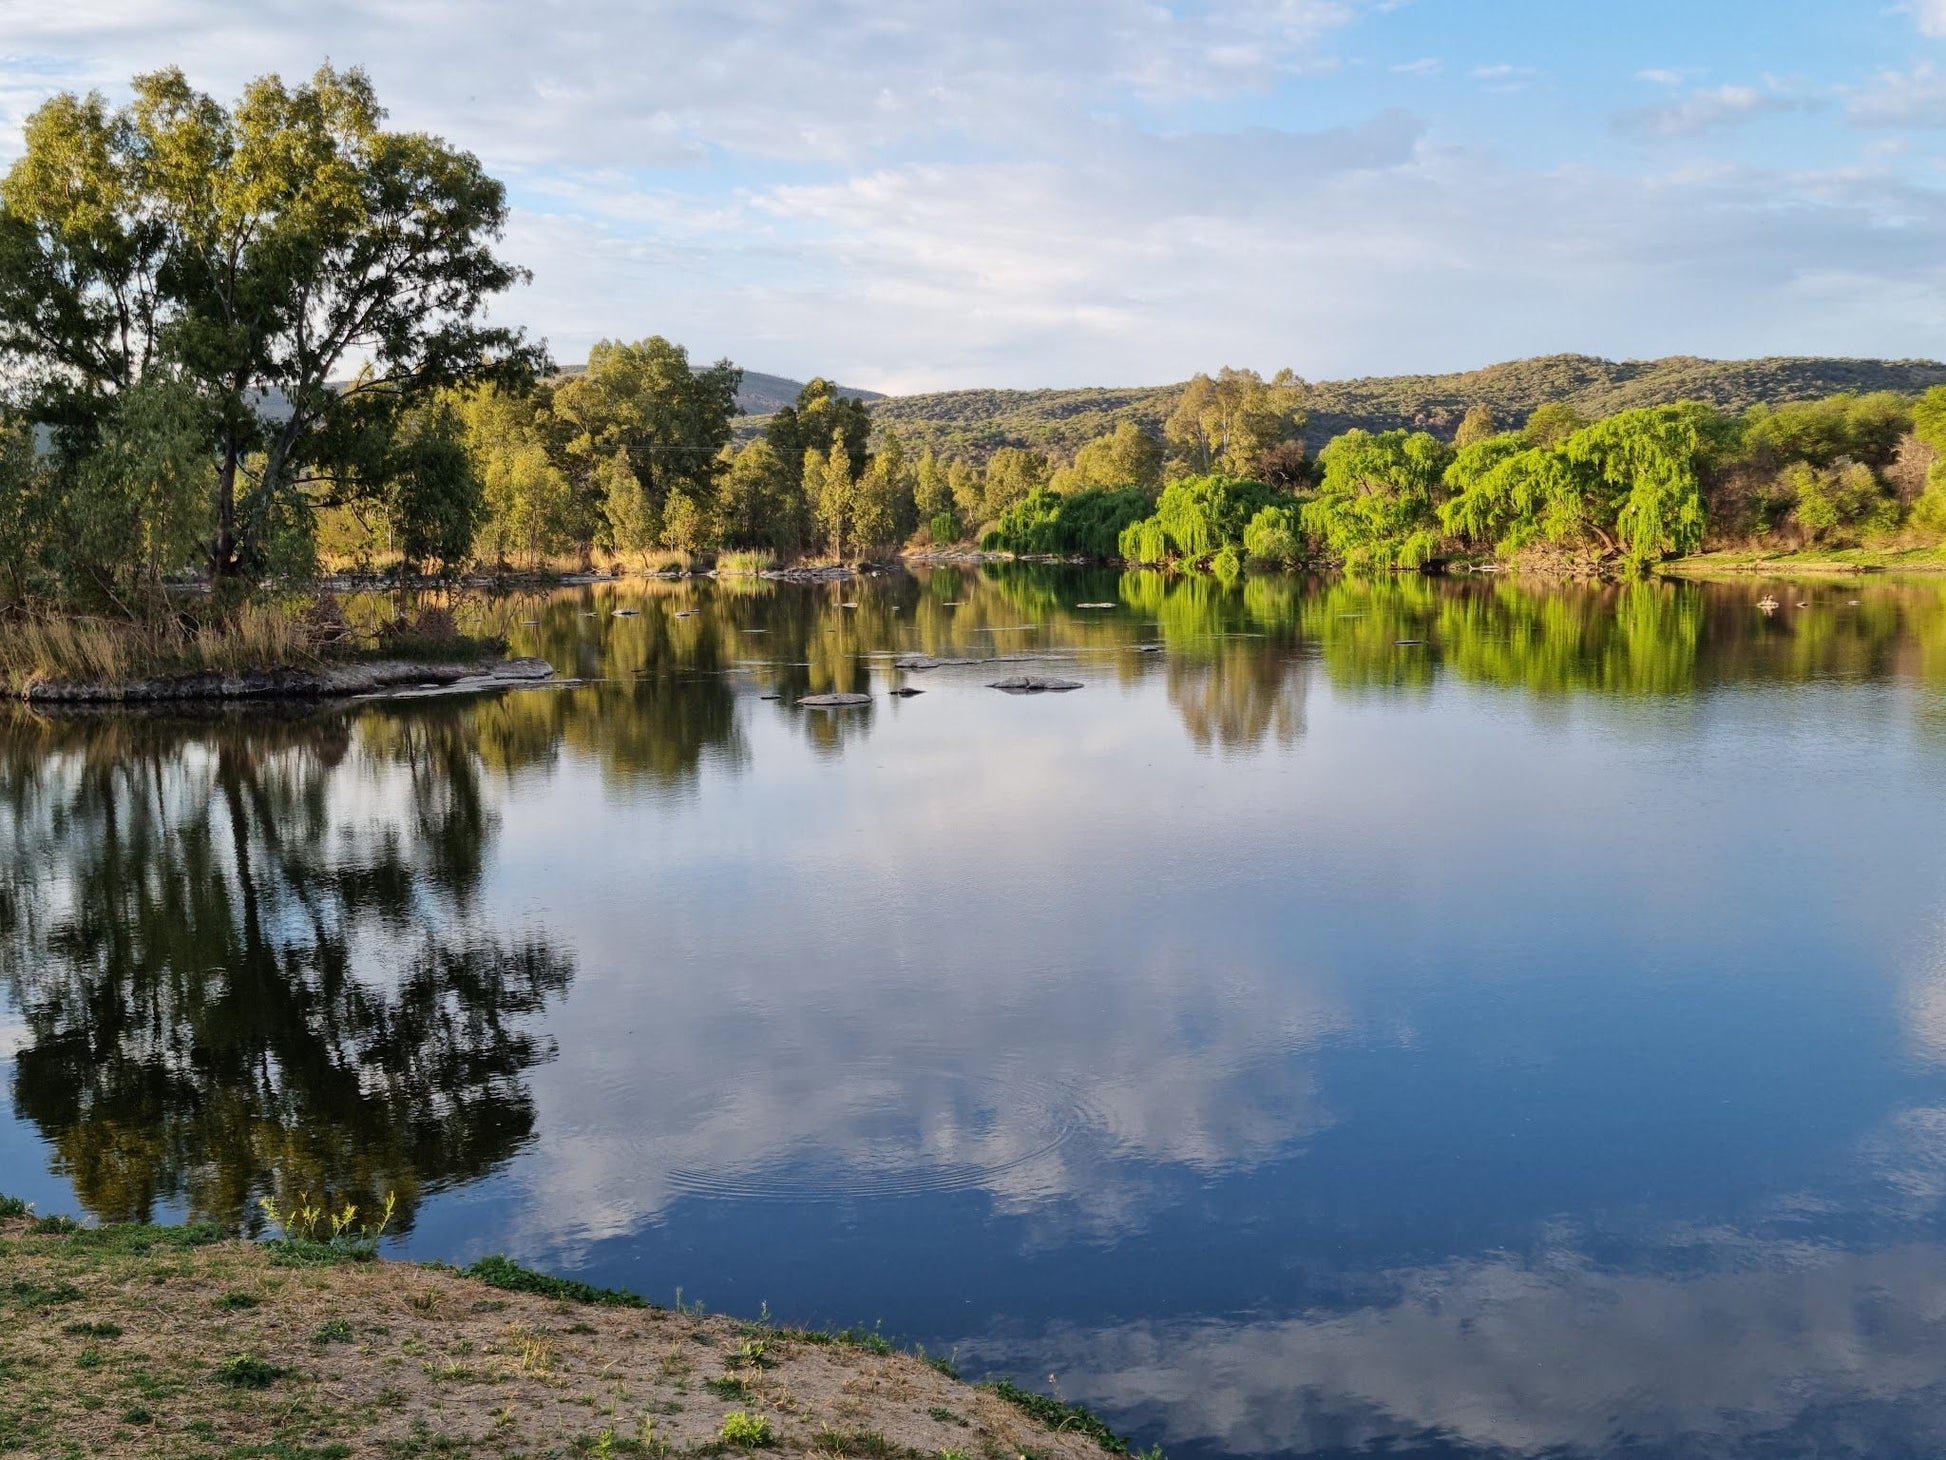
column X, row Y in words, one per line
column 1033, row 684
column 833, row 702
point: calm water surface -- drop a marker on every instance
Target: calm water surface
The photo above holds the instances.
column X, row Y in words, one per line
column 1420, row 1018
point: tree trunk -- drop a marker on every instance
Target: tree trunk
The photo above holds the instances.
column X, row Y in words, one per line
column 223, row 555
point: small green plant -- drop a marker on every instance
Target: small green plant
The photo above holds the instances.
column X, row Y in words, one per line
column 244, row 1371
column 93, row 1330
column 337, row 1330
column 740, row 1427
column 135, row 1414
column 237, row 1302
column 13, row 1206
column 304, row 1224
column 727, row 1387
column 752, row 1353
column 946, row 1416
column 54, row 1226
column 503, row 1272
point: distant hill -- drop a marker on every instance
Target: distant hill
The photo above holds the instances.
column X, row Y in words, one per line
column 760, row 394
column 977, row 422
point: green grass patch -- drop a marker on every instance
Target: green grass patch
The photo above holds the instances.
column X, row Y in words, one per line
column 237, row 1302
column 92, row 1330
column 245, row 1371
column 36, row 1295
column 1059, row 1415
column 13, row 1206
column 728, row 1387
column 503, row 1272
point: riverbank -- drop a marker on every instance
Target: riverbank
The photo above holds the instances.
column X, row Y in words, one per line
column 146, row 1341
column 1740, row 561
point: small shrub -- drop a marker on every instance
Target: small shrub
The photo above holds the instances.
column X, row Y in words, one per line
column 54, row 1226
column 13, row 1206
column 237, row 1302
column 93, row 1330
column 335, row 1331
column 727, row 1386
column 135, row 1414
column 740, row 1427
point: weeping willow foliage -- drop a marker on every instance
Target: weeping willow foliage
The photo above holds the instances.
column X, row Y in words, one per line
column 1376, row 507
column 1272, row 536
column 1634, row 483
column 1198, row 519
column 1088, row 523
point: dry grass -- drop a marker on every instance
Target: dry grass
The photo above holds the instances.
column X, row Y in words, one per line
column 148, row 1342
column 41, row 648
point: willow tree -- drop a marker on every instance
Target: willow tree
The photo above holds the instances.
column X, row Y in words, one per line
column 265, row 250
column 1376, row 505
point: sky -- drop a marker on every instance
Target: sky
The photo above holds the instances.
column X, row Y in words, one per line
column 926, row 194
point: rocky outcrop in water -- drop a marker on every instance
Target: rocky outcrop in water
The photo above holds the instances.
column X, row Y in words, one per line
column 327, row 682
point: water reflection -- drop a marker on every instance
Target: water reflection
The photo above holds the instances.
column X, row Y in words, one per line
column 1288, row 1040
column 1800, row 1350
column 240, row 953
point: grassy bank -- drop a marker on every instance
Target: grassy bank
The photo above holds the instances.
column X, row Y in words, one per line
column 166, row 1342
column 1929, row 558
column 46, row 647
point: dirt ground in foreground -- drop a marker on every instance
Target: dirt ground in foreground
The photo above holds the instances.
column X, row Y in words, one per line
column 140, row 1343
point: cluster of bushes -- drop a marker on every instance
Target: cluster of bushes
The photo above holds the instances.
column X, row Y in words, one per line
column 1632, row 489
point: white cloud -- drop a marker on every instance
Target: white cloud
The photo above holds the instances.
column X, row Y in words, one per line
column 1931, row 15
column 1915, row 98
column 1551, row 1355
column 629, row 84
column 1365, row 249
column 1713, row 110
column 1660, row 77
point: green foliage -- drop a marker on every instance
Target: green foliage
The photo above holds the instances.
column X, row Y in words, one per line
column 1272, row 536
column 1863, row 428
column 256, row 250
column 497, row 1271
column 1375, row 506
column 1088, row 523
column 1227, row 424
column 1554, row 395
column 1128, row 456
column 434, row 495
column 1197, row 518
column 821, row 414
column 528, row 498
column 1832, row 498
column 743, row 1428
column 943, row 527
column 1632, row 483
column 1641, row 478
column 669, row 420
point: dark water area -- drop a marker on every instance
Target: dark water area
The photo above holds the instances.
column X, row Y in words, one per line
column 1417, row 1018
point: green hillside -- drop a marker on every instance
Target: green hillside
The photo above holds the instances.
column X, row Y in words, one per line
column 976, row 422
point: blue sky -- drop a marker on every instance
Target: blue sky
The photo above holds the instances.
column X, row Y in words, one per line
column 912, row 194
